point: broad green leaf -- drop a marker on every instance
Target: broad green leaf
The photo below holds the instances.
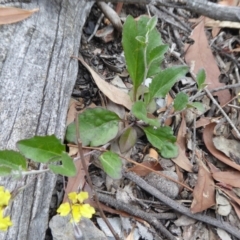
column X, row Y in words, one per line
column 139, row 110
column 67, row 168
column 128, row 139
column 199, row 106
column 97, row 126
column 141, row 39
column 157, row 54
column 163, row 82
column 133, row 49
column 201, row 77
column 112, row 164
column 152, row 23
column 5, row 171
column 41, row 148
column 181, row 101
column 154, row 37
column 13, row 160
column 162, row 138
column 154, row 60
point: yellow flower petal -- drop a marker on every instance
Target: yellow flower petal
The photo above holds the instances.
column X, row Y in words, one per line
column 73, row 197
column 5, row 222
column 64, row 209
column 4, row 197
column 86, row 210
column 82, row 196
column 76, row 213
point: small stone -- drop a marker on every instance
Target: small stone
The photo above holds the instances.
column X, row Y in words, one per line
column 175, row 230
column 167, row 164
column 165, row 186
column 62, row 229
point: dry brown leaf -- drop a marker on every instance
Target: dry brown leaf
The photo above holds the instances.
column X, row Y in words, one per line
column 12, row 15
column 201, row 56
column 153, row 154
column 113, row 93
column 71, row 111
column 230, row 178
column 231, row 195
column 204, row 191
column 208, row 140
column 228, row 146
column 72, row 151
column 142, row 171
column 181, row 160
column 203, row 121
column 213, row 169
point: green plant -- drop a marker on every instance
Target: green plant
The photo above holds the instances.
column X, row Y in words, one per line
column 46, row 149
column 144, row 52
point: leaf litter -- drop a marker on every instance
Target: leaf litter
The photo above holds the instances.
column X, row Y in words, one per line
column 207, row 179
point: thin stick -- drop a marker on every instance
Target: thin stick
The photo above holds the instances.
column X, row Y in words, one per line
column 79, row 143
column 136, row 212
column 180, row 208
column 96, row 27
column 215, row 90
column 222, row 111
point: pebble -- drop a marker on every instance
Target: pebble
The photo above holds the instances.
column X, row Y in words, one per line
column 165, row 186
column 62, row 229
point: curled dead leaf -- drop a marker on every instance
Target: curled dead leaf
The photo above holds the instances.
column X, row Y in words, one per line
column 208, row 140
column 230, row 178
column 204, row 191
column 113, row 93
column 200, row 56
column 181, row 160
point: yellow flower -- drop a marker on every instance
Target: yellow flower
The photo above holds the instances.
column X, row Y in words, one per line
column 76, row 214
column 86, row 210
column 77, row 209
column 4, row 197
column 82, row 196
column 81, row 210
column 73, row 197
column 5, row 222
column 64, row 209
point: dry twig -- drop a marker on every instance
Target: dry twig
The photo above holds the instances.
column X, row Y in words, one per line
column 180, row 208
column 80, row 150
column 205, row 8
column 136, row 212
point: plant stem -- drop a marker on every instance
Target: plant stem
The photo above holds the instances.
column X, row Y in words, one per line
column 145, row 62
column 80, row 150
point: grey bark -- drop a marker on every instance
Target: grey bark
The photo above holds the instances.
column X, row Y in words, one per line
column 205, row 8
column 36, row 80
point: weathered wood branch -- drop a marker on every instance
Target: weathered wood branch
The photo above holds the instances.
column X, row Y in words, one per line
column 205, row 8
column 37, row 76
